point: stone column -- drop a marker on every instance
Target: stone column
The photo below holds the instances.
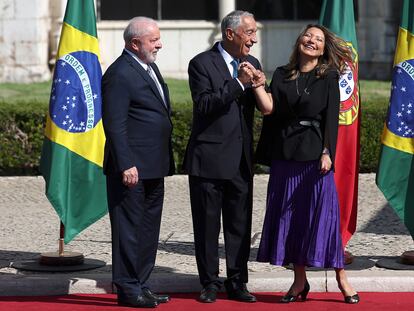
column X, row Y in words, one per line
column 57, row 13
column 225, row 7
column 377, row 34
column 24, row 28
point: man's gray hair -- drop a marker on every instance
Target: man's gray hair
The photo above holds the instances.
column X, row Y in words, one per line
column 137, row 27
column 233, row 20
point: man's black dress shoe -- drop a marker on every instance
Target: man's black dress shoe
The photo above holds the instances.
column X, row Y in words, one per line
column 157, row 297
column 239, row 293
column 140, row 301
column 208, row 294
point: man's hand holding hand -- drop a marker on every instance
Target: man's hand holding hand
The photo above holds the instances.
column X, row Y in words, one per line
column 245, row 75
column 257, row 77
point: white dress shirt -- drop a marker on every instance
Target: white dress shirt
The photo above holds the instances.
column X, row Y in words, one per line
column 153, row 75
column 228, row 59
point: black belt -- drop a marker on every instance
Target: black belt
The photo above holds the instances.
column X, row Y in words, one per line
column 312, row 123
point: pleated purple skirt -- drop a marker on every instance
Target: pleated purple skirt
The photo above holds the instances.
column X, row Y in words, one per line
column 301, row 225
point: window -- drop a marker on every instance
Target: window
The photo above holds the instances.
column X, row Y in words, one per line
column 208, row 9
column 190, row 9
column 285, row 10
column 158, row 9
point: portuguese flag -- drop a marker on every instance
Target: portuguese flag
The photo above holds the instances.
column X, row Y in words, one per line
column 395, row 176
column 72, row 155
column 338, row 16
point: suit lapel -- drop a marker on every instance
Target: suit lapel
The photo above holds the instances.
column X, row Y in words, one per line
column 145, row 76
column 163, row 85
column 219, row 63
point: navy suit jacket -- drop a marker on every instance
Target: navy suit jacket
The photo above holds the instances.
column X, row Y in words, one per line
column 136, row 121
column 222, row 118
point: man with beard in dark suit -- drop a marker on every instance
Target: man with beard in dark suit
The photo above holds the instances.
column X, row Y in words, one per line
column 138, row 155
column 219, row 156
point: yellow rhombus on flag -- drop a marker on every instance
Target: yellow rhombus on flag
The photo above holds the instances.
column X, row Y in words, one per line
column 72, row 154
column 395, row 176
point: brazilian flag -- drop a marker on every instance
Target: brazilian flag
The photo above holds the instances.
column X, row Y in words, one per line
column 395, row 176
column 72, row 154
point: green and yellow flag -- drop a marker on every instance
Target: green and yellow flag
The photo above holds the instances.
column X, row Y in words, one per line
column 338, row 16
column 395, row 176
column 72, row 154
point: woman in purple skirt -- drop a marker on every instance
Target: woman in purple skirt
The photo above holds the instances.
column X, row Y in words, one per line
column 298, row 141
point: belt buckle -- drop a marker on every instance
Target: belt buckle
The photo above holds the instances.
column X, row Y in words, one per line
column 305, row 123
column 315, row 123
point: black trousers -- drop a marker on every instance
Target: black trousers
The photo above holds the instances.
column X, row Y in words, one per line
column 135, row 215
column 233, row 199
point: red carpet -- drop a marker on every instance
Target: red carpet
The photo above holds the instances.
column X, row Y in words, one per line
column 187, row 302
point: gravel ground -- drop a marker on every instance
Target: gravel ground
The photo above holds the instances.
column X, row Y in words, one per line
column 30, row 226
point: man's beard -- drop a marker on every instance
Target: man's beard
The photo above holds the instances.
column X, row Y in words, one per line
column 149, row 56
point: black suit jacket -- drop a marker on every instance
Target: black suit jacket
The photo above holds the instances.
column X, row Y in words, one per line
column 137, row 124
column 222, row 118
column 282, row 136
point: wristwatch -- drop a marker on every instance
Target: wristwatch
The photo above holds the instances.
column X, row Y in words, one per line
column 326, row 151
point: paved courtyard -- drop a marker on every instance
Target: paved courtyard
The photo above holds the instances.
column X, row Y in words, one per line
column 30, row 226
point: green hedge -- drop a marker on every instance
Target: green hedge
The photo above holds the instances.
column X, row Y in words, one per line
column 372, row 124
column 21, row 135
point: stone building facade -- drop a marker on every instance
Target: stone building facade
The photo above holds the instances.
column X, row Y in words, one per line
column 30, row 29
column 24, row 40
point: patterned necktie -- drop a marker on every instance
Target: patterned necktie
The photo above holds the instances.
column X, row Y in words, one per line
column 235, row 65
column 157, row 84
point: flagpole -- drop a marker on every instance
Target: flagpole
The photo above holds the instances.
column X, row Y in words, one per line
column 407, row 258
column 78, row 44
column 394, row 174
column 348, row 144
column 59, row 261
column 61, row 258
column 62, row 239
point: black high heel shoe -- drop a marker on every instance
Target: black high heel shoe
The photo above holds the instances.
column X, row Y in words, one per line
column 352, row 299
column 349, row 299
column 291, row 298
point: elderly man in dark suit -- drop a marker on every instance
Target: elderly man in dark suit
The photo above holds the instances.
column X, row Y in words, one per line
column 219, row 156
column 138, row 155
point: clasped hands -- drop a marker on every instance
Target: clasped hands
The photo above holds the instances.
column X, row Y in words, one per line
column 248, row 74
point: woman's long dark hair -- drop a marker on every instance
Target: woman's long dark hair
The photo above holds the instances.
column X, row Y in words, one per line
column 335, row 56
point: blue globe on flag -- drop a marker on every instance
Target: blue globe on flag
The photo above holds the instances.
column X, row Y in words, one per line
column 75, row 100
column 401, row 111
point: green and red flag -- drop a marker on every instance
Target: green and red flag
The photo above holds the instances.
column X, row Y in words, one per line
column 338, row 16
column 395, row 176
column 72, row 155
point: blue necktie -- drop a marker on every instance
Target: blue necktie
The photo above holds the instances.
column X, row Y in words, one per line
column 235, row 64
